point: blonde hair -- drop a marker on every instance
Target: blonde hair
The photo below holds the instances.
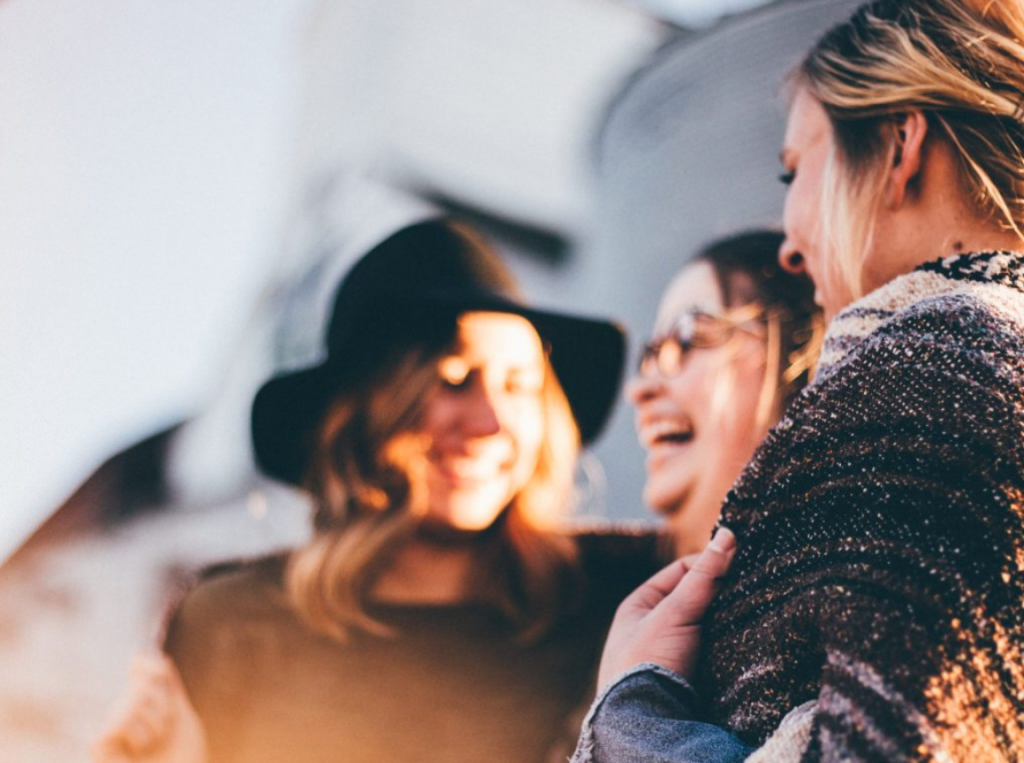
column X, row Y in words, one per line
column 363, row 481
column 961, row 62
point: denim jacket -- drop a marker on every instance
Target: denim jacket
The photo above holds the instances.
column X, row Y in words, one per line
column 647, row 714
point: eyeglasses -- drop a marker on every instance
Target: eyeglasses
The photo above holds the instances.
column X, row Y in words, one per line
column 697, row 330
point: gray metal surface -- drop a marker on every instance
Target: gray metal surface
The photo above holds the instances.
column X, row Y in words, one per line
column 688, row 152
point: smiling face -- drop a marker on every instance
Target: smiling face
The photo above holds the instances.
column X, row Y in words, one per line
column 805, row 155
column 698, row 426
column 483, row 423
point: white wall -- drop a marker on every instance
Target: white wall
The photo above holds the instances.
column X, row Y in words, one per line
column 143, row 146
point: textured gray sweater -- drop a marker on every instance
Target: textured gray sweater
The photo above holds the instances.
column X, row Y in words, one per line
column 880, row 574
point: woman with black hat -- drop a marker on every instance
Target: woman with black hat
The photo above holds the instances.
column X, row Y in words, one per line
column 441, row 611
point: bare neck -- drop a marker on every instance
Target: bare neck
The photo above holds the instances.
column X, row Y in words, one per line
column 427, row 573
column 954, row 230
column 937, row 219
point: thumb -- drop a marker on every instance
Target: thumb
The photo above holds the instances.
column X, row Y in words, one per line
column 688, row 602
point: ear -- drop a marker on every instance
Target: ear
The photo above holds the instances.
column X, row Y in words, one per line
column 909, row 134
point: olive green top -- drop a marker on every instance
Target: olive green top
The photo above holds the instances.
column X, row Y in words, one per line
column 455, row 685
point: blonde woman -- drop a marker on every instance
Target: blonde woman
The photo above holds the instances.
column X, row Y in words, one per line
column 441, row 611
column 873, row 609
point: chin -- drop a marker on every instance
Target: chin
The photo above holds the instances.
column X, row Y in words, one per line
column 474, row 524
column 474, row 511
column 665, row 499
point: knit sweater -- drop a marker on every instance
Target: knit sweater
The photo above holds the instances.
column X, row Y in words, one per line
column 880, row 571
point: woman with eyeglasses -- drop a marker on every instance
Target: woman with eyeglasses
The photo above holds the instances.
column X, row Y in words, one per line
column 736, row 337
column 442, row 610
column 874, row 606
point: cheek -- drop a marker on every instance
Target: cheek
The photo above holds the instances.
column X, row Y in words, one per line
column 800, row 215
column 690, row 389
column 732, row 403
column 435, row 421
column 702, row 389
column 528, row 427
column 744, row 429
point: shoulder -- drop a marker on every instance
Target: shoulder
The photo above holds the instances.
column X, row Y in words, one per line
column 919, row 339
column 923, row 383
column 928, row 318
column 240, row 580
column 232, row 619
column 241, row 590
column 943, row 367
column 973, row 316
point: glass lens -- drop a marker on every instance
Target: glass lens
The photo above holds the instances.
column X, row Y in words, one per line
column 670, row 356
column 693, row 330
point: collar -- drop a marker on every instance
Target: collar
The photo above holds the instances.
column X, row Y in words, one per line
column 955, row 273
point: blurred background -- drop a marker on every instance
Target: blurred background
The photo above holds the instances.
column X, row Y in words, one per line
column 183, row 184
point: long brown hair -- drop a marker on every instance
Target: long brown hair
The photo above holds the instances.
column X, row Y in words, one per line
column 364, row 489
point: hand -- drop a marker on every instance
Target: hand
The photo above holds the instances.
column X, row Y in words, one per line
column 660, row 621
column 155, row 722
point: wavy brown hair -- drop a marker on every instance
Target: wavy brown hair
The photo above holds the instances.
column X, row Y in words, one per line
column 747, row 268
column 961, row 62
column 366, row 494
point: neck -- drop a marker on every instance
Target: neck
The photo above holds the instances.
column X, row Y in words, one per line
column 985, row 242
column 938, row 220
column 425, row 572
column 964, row 233
column 933, row 241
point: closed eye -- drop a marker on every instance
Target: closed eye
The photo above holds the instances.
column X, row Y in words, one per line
column 524, row 384
column 454, row 373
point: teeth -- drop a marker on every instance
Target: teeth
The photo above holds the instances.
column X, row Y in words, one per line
column 474, row 471
column 657, row 431
column 470, row 469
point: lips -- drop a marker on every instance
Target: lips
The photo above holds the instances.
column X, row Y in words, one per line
column 661, row 432
column 467, row 472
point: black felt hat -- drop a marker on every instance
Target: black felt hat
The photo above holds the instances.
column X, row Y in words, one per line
column 407, row 291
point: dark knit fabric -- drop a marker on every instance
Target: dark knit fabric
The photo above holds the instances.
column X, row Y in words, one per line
column 881, row 534
column 455, row 685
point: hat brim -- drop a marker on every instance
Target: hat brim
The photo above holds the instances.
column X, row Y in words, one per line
column 587, row 356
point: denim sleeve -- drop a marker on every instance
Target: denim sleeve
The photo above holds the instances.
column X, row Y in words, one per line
column 647, row 714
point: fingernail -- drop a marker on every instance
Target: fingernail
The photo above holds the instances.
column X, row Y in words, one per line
column 724, row 540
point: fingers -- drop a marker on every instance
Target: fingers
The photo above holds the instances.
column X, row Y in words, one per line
column 691, row 598
column 656, row 588
column 690, row 559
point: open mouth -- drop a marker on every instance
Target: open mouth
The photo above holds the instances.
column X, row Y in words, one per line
column 667, row 433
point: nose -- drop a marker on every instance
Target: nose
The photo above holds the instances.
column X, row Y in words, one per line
column 790, row 258
column 481, row 417
column 643, row 387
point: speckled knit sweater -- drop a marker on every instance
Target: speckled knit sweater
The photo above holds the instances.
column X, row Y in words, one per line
column 880, row 572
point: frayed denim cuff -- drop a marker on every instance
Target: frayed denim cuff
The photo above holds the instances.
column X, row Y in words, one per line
column 640, row 684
